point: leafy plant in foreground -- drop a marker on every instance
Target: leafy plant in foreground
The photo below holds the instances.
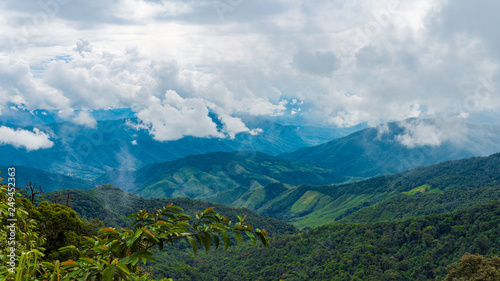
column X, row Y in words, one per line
column 116, row 254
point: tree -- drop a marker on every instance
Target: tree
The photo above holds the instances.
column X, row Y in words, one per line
column 474, row 268
column 61, row 227
column 20, row 244
column 58, row 198
column 112, row 254
column 33, row 190
column 116, row 254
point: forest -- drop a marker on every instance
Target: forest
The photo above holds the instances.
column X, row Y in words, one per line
column 430, row 247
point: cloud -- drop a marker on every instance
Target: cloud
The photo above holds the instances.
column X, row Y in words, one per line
column 175, row 117
column 23, row 138
column 431, row 132
column 18, row 86
column 319, row 63
column 234, row 125
column 347, row 62
column 82, row 117
column 418, row 134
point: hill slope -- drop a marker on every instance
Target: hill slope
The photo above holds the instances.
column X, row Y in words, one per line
column 415, row 249
column 111, row 205
column 208, row 174
column 424, row 203
column 314, row 205
column 387, row 149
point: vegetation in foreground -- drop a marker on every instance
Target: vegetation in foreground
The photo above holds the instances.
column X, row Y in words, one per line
column 419, row 248
column 433, row 247
column 111, row 254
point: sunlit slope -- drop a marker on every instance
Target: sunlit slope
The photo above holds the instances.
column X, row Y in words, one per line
column 314, row 205
column 205, row 175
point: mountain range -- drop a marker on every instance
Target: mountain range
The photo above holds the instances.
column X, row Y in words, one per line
column 309, row 186
column 386, row 149
column 198, row 176
column 315, row 205
column 88, row 153
column 272, row 186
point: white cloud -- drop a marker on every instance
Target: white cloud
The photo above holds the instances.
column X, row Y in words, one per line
column 344, row 62
column 82, row 117
column 233, row 125
column 262, row 106
column 175, row 117
column 18, row 86
column 435, row 132
column 419, row 134
column 23, row 138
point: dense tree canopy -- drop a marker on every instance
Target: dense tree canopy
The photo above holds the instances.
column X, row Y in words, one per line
column 110, row 255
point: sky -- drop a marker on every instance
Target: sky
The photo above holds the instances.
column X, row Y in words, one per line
column 334, row 63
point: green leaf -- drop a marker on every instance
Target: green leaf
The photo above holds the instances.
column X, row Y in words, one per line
column 238, row 236
column 108, row 273
column 226, row 240
column 220, row 226
column 252, row 237
column 193, row 244
column 132, row 240
column 262, row 238
column 123, row 267
column 207, row 241
column 216, row 240
column 67, row 249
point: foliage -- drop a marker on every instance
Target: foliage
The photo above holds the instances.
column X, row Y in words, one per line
column 111, row 205
column 113, row 254
column 474, row 268
column 404, row 207
column 20, row 244
column 60, row 226
column 418, row 248
column 338, row 201
column 116, row 254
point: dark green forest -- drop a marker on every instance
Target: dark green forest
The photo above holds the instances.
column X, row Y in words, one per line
column 431, row 223
column 416, row 248
column 419, row 248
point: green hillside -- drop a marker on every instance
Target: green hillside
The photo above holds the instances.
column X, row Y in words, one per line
column 404, row 207
column 314, row 205
column 111, row 205
column 377, row 151
column 418, row 248
column 205, row 175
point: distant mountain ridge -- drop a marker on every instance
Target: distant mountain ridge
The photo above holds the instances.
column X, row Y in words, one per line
column 315, row 205
column 111, row 205
column 208, row 174
column 381, row 150
column 113, row 144
column 46, row 180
